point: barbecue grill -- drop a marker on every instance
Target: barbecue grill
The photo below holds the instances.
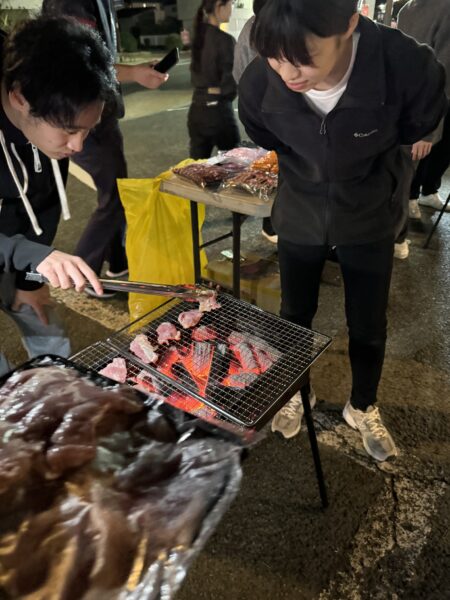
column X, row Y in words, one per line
column 205, row 368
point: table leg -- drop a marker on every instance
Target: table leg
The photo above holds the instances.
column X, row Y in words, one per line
column 195, row 242
column 236, row 255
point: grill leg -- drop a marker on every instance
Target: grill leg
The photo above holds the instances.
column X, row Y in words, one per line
column 236, row 255
column 315, row 450
column 436, row 223
column 195, row 242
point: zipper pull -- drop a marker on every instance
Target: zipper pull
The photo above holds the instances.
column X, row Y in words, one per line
column 323, row 127
column 37, row 160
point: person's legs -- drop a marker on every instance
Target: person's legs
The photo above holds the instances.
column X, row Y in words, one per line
column 366, row 271
column 227, row 134
column 36, row 337
column 103, row 158
column 300, row 272
column 437, row 163
column 201, row 141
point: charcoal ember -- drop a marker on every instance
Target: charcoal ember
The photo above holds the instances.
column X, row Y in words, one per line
column 203, row 174
column 256, row 342
column 203, row 334
column 244, row 353
column 198, row 360
column 154, row 463
column 239, row 380
column 219, row 366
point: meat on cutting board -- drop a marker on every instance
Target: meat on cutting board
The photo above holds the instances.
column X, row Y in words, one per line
column 117, row 370
column 142, row 348
column 167, row 332
column 189, row 318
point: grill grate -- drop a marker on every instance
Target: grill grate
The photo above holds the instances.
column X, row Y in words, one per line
column 292, row 348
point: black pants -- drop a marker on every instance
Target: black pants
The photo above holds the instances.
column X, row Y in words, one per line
column 211, row 126
column 431, row 168
column 103, row 158
column 366, row 272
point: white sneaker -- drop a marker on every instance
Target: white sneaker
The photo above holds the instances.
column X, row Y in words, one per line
column 402, row 250
column 433, row 201
column 272, row 238
column 288, row 420
column 376, row 438
column 414, row 210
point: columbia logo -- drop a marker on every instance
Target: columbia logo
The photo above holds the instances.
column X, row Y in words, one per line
column 363, row 135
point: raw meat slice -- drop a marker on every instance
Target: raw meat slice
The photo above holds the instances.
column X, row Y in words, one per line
column 117, row 370
column 142, row 348
column 166, row 332
column 208, row 304
column 189, row 318
column 203, row 334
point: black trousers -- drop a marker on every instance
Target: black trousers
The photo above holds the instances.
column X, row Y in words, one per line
column 366, row 272
column 211, row 126
column 431, row 168
column 103, row 158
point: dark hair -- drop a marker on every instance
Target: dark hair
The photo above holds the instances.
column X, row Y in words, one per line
column 282, row 26
column 206, row 8
column 60, row 67
column 257, row 5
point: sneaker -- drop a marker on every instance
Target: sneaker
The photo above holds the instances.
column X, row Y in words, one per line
column 414, row 210
column 376, row 438
column 433, row 201
column 272, row 238
column 105, row 296
column 112, row 275
column 402, row 250
column 288, row 420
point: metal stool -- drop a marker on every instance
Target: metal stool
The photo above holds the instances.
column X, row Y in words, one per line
column 433, row 229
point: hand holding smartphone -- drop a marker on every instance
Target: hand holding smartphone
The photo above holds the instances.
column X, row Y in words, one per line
column 169, row 61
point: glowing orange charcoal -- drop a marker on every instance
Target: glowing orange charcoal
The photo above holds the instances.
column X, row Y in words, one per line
column 189, row 404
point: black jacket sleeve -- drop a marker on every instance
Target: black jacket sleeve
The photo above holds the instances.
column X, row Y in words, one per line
column 19, row 254
column 252, row 86
column 425, row 102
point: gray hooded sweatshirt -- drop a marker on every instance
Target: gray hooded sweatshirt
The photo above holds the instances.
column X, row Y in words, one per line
column 428, row 22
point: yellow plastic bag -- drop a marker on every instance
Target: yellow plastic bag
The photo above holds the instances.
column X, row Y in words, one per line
column 159, row 238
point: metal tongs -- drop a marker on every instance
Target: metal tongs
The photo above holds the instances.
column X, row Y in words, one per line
column 185, row 291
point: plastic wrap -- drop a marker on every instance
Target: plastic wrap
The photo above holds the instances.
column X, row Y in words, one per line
column 135, row 492
column 253, row 181
column 203, row 174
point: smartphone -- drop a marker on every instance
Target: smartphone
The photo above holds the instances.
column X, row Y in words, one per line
column 169, row 61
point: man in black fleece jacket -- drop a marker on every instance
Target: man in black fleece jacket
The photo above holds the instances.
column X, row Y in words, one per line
column 336, row 95
column 55, row 78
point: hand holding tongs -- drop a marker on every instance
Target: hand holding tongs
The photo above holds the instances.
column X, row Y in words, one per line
column 185, row 291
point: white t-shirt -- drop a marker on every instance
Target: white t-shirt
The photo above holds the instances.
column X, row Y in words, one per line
column 324, row 101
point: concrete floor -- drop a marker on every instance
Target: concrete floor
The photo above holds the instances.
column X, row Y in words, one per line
column 386, row 534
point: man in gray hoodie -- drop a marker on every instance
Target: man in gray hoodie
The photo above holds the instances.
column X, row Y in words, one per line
column 428, row 22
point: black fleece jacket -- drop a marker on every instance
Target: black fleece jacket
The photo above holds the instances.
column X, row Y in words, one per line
column 35, row 174
column 342, row 178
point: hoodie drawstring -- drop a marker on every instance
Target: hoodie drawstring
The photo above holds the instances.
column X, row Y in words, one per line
column 26, row 202
column 23, row 190
column 61, row 190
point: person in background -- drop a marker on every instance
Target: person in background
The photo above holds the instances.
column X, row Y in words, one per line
column 103, row 154
column 243, row 56
column 43, row 120
column 211, row 120
column 428, row 22
column 336, row 95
